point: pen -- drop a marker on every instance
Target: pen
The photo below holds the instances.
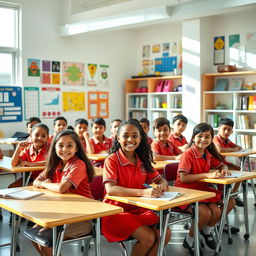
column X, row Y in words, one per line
column 147, row 186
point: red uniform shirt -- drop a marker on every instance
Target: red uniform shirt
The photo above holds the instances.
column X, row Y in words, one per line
column 29, row 154
column 150, row 140
column 178, row 141
column 50, row 139
column 83, row 143
column 74, row 172
column 123, row 173
column 168, row 149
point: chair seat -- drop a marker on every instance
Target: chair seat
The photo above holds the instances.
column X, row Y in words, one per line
column 44, row 239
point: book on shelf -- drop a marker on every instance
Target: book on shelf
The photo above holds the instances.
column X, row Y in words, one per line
column 253, row 141
column 221, row 84
column 236, row 84
column 243, row 122
column 19, row 193
column 157, row 114
column 168, row 86
column 252, row 103
column 244, row 140
column 137, row 114
column 244, row 102
column 159, row 86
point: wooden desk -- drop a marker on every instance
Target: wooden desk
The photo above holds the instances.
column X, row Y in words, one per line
column 227, row 182
column 97, row 157
column 5, row 165
column 98, row 171
column 9, row 141
column 53, row 209
column 189, row 196
column 159, row 165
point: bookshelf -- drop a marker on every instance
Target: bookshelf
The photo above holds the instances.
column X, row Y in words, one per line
column 142, row 100
column 238, row 105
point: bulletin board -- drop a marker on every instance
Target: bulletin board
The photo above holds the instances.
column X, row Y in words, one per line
column 31, row 102
column 10, row 104
column 98, row 104
column 73, row 101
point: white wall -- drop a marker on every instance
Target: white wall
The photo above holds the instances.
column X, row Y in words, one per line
column 40, row 20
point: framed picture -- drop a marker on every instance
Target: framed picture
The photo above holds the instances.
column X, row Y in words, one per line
column 236, row 84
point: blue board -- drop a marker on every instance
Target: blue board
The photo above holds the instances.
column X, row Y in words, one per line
column 165, row 64
column 10, row 104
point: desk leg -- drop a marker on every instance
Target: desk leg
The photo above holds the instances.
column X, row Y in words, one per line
column 24, row 180
column 252, row 183
column 98, row 241
column 196, row 233
column 164, row 219
column 223, row 216
column 14, row 234
column 54, row 241
column 246, row 219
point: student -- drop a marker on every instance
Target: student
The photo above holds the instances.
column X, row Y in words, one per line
column 81, row 129
column 114, row 127
column 67, row 170
column 32, row 154
column 161, row 147
column 223, row 144
column 179, row 124
column 131, row 157
column 145, row 124
column 59, row 123
column 30, row 123
column 195, row 164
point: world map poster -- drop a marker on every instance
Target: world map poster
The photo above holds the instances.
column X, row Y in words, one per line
column 73, row 73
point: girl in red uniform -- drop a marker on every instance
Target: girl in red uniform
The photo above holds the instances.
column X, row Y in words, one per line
column 67, row 170
column 195, row 164
column 125, row 171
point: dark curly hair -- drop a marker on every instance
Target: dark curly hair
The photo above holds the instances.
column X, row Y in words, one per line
column 143, row 150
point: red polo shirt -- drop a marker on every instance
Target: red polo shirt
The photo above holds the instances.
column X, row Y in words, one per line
column 29, row 154
column 178, row 141
column 99, row 146
column 150, row 140
column 165, row 149
column 218, row 140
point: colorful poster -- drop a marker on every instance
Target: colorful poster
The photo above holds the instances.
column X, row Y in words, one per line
column 10, row 104
column 46, row 78
column 33, row 67
column 55, row 78
column 98, row 104
column 31, row 102
column 234, row 44
column 73, row 101
column 73, row 73
column 251, row 44
column 103, row 77
column 55, row 66
column 46, row 65
column 50, row 102
column 91, row 74
column 146, row 51
column 166, row 47
column 156, row 48
column 219, row 50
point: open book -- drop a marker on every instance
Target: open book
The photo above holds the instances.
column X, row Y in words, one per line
column 167, row 196
column 18, row 193
column 234, row 175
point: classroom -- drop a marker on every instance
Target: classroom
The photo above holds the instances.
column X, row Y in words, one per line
column 123, row 59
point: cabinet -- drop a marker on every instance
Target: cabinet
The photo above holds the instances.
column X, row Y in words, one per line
column 239, row 105
column 142, row 100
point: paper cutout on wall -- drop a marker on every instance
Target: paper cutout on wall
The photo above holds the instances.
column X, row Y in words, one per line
column 73, row 73
column 103, row 75
column 91, row 74
column 55, row 78
column 46, row 78
column 46, row 65
column 73, row 101
column 33, row 67
column 98, row 104
column 31, row 102
column 55, row 66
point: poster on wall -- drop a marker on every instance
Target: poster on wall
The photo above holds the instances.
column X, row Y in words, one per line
column 33, row 67
column 10, row 104
column 234, row 44
column 73, row 101
column 31, row 102
column 91, row 74
column 98, row 104
column 251, row 43
column 219, row 50
column 73, row 73
column 103, row 77
column 50, row 102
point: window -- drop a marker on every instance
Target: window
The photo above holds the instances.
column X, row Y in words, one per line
column 9, row 44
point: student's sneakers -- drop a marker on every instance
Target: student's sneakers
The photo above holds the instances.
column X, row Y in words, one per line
column 209, row 240
column 239, row 201
column 233, row 230
column 190, row 248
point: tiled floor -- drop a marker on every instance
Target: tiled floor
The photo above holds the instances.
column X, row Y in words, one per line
column 240, row 247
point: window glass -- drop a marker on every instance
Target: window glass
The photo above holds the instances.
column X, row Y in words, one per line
column 6, row 68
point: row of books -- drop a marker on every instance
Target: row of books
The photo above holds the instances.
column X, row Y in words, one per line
column 157, row 102
column 137, row 114
column 235, row 84
column 138, row 102
column 175, row 102
column 247, row 102
column 246, row 141
column 213, row 119
column 243, row 122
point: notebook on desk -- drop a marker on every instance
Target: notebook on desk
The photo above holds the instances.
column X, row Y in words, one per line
column 167, row 196
column 19, row 193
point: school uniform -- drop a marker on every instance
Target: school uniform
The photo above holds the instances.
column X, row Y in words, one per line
column 119, row 170
column 149, row 140
column 83, row 143
column 192, row 162
column 50, row 139
column 29, row 154
column 178, row 141
column 165, row 149
column 100, row 146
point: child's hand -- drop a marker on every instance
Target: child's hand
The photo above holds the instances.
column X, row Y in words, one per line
column 86, row 135
column 162, row 187
column 153, row 192
column 215, row 175
column 225, row 172
column 23, row 144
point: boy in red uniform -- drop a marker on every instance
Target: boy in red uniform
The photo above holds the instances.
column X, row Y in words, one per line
column 30, row 123
column 223, row 144
column 161, row 147
column 114, row 127
column 144, row 122
column 179, row 124
column 101, row 144
column 59, row 123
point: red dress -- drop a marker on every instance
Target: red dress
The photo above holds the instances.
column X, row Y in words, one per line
column 192, row 162
column 119, row 170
